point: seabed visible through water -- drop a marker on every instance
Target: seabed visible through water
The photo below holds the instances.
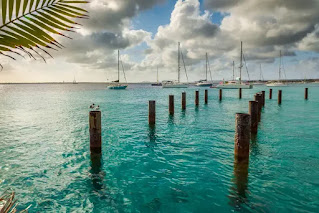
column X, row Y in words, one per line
column 184, row 164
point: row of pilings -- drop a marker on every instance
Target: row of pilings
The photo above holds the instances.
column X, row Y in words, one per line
column 246, row 124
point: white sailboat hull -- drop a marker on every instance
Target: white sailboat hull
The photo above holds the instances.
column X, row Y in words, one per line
column 175, row 85
column 234, row 86
column 276, row 85
column 204, row 84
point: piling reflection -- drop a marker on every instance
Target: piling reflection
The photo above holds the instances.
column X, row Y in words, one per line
column 171, row 120
column 152, row 134
column 239, row 190
column 96, row 174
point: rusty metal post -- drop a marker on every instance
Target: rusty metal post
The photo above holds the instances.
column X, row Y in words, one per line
column 184, row 101
column 253, row 111
column 240, row 93
column 270, row 94
column 151, row 112
column 95, row 127
column 242, row 136
column 206, row 96
column 171, row 104
column 264, row 97
column 279, row 96
column 306, row 93
column 197, row 98
column 220, row 94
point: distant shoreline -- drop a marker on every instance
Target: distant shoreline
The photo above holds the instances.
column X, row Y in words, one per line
column 215, row 81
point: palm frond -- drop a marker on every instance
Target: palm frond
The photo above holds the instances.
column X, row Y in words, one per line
column 8, row 203
column 31, row 24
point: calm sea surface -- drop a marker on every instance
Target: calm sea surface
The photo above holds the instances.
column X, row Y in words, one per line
column 184, row 165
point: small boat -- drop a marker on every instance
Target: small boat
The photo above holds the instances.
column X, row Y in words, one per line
column 278, row 83
column 176, row 84
column 157, row 82
column 205, row 83
column 116, row 85
column 238, row 84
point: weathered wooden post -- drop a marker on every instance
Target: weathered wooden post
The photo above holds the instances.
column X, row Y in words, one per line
column 264, row 97
column 279, row 96
column 259, row 101
column 206, row 96
column 220, row 94
column 240, row 93
column 184, row 101
column 270, row 94
column 95, row 127
column 253, row 111
column 171, row 104
column 306, row 93
column 242, row 136
column 197, row 98
column 151, row 112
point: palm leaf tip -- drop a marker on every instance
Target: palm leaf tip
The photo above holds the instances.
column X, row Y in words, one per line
column 30, row 23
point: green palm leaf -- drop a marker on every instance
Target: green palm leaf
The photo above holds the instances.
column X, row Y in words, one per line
column 28, row 25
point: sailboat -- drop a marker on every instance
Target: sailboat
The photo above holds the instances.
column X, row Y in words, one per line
column 74, row 81
column 176, row 84
column 238, row 83
column 205, row 83
column 157, row 82
column 279, row 83
column 116, row 84
column 261, row 79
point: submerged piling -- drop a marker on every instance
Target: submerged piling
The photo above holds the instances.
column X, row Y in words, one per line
column 306, row 93
column 184, row 101
column 270, row 94
column 253, row 112
column 220, row 94
column 95, row 127
column 197, row 98
column 240, row 93
column 206, row 96
column 151, row 112
column 279, row 96
column 242, row 136
column 171, row 104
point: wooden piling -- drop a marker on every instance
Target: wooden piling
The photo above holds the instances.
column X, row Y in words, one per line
column 242, row 136
column 151, row 112
column 264, row 97
column 95, row 127
column 270, row 94
column 240, row 93
column 220, row 94
column 258, row 99
column 253, row 111
column 184, row 101
column 206, row 96
column 279, row 96
column 306, row 93
column 171, row 104
column 197, row 98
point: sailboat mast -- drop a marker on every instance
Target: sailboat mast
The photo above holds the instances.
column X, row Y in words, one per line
column 260, row 73
column 118, row 65
column 279, row 65
column 157, row 74
column 179, row 58
column 233, row 70
column 241, row 60
column 206, row 65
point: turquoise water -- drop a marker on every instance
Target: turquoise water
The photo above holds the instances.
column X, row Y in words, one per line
column 185, row 164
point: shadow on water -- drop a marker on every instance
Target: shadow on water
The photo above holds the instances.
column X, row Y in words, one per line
column 238, row 192
column 96, row 172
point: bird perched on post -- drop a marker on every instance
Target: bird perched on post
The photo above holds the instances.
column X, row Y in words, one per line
column 92, row 106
